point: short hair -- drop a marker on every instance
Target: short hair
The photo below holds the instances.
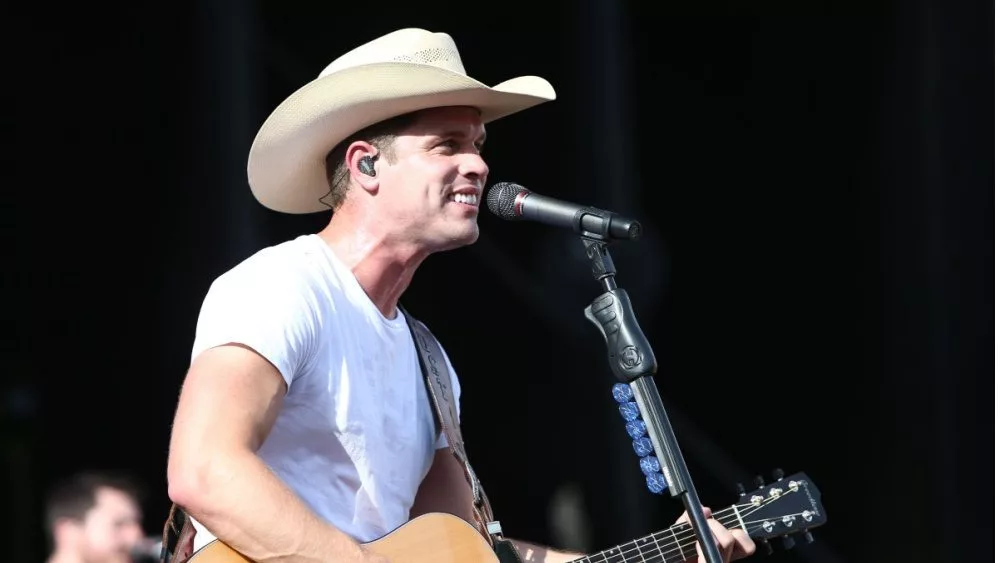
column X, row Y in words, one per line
column 381, row 135
column 74, row 496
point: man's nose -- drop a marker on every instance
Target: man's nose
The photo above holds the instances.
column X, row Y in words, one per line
column 474, row 165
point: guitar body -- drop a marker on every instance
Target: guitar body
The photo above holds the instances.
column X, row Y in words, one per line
column 789, row 505
column 437, row 537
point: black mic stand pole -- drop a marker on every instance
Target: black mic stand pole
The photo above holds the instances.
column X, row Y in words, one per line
column 634, row 364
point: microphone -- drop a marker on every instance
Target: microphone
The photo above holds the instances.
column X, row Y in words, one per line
column 515, row 203
column 147, row 550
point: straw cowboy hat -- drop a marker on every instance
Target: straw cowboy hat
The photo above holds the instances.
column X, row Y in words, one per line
column 404, row 71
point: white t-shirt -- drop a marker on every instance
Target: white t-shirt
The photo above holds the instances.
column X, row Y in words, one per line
column 355, row 436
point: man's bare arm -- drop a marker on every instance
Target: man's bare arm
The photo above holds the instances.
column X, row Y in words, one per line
column 228, row 404
column 445, row 489
column 534, row 553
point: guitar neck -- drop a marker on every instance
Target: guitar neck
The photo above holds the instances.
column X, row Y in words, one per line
column 673, row 545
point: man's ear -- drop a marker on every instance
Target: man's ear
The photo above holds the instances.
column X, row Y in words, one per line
column 361, row 159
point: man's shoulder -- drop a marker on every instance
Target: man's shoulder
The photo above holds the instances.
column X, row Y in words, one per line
column 296, row 251
column 288, row 262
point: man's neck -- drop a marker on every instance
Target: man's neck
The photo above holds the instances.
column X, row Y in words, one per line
column 383, row 269
column 64, row 557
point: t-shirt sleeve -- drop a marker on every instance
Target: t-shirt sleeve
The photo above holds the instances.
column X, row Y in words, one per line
column 456, row 389
column 264, row 307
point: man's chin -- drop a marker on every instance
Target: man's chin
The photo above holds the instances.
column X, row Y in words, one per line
column 460, row 239
column 471, row 236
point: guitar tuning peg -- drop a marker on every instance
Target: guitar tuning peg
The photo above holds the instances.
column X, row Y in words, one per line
column 740, row 490
column 758, row 481
column 767, row 547
column 778, row 474
column 788, row 542
column 807, row 535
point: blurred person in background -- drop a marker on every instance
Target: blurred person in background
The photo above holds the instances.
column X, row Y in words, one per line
column 95, row 517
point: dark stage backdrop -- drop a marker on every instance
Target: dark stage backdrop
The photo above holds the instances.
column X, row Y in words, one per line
column 815, row 275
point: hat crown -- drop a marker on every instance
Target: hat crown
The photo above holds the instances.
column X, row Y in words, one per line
column 413, row 45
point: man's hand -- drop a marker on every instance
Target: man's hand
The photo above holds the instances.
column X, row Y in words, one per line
column 733, row 544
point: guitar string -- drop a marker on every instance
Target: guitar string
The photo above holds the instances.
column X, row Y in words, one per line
column 673, row 554
column 670, row 556
column 736, row 513
column 726, row 517
column 752, row 527
column 658, row 550
column 673, row 551
column 669, row 537
column 720, row 516
column 673, row 546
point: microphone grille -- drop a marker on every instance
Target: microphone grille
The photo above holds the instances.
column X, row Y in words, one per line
column 501, row 197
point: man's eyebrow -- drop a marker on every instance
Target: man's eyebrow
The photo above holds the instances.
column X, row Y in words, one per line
column 462, row 135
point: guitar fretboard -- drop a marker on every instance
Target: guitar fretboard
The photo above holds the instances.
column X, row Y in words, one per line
column 673, row 545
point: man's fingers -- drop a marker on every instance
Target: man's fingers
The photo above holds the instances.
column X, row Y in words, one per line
column 732, row 544
column 724, row 541
column 684, row 515
column 745, row 545
column 723, row 538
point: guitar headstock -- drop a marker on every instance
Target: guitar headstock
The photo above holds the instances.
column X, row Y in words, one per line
column 785, row 507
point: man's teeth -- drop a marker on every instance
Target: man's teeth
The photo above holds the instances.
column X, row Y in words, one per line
column 465, row 198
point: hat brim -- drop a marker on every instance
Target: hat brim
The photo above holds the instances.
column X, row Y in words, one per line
column 287, row 163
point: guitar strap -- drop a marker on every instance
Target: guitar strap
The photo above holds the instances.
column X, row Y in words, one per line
column 178, row 536
column 442, row 399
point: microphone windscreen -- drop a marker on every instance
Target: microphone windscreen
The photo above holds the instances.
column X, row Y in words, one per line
column 501, row 197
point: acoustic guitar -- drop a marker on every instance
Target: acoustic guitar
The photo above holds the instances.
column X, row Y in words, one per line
column 786, row 507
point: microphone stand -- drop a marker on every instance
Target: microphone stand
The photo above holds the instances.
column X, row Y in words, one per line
column 633, row 364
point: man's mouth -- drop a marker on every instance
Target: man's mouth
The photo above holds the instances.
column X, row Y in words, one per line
column 468, row 199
